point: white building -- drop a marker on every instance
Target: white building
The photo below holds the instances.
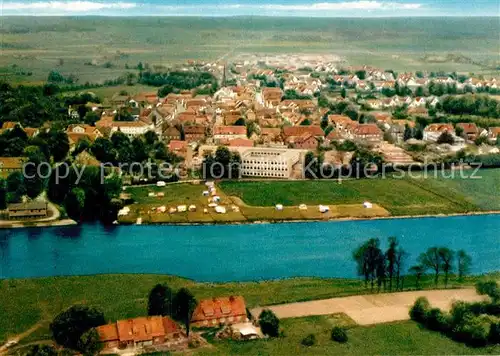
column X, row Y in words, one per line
column 269, row 162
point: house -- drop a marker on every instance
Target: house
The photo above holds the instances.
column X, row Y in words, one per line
column 339, row 121
column 367, row 132
column 494, row 133
column 229, row 132
column 306, row 141
column 80, row 131
column 11, row 164
column 375, row 104
column 290, row 131
column 172, row 133
column 219, row 311
column 433, row 131
column 271, row 97
column 178, row 147
column 9, row 125
column 129, row 128
column 140, row 332
column 31, row 210
column 469, row 130
column 241, row 142
column 194, row 133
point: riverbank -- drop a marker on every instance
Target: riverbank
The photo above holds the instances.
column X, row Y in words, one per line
column 27, row 302
column 53, row 219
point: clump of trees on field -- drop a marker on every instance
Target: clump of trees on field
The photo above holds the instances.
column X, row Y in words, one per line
column 385, row 269
column 269, row 323
column 222, row 164
column 477, row 324
column 74, row 329
column 179, row 80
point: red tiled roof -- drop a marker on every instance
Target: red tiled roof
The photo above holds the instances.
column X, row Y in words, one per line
column 469, row 128
column 215, row 308
column 439, row 128
column 241, row 142
column 137, row 329
column 367, row 129
column 300, row 130
column 176, row 145
column 230, row 130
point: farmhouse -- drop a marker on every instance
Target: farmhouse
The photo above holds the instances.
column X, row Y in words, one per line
column 433, row 131
column 140, row 332
column 229, row 132
column 219, row 311
column 470, row 130
column 30, row 210
column 367, row 132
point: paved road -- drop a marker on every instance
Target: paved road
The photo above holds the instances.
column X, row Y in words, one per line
column 373, row 308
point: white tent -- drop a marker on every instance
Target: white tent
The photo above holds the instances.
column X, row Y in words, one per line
column 220, row 209
column 367, row 205
column 323, row 208
column 279, row 207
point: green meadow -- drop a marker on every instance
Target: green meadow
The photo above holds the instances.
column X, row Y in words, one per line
column 66, row 44
column 398, row 196
column 34, row 302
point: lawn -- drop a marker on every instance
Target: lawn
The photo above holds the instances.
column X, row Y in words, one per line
column 26, row 302
column 401, row 338
column 398, row 196
column 483, row 189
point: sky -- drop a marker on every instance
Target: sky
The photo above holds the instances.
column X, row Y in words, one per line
column 303, row 8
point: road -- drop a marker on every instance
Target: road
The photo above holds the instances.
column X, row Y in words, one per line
column 373, row 308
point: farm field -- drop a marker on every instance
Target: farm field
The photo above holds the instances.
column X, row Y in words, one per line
column 398, row 196
column 29, row 302
column 69, row 45
column 401, row 338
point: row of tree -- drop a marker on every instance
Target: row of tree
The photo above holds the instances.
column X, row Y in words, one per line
column 385, row 267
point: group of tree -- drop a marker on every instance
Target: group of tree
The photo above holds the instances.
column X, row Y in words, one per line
column 476, row 324
column 441, row 260
column 180, row 305
column 179, row 80
column 378, row 266
column 291, row 94
column 413, row 132
column 74, row 329
column 86, row 192
column 222, row 164
column 480, row 105
column 58, row 78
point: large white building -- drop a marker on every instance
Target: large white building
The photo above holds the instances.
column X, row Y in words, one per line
column 269, row 162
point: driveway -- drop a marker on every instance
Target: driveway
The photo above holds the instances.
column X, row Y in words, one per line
column 372, row 308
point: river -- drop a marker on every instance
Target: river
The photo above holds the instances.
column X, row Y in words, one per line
column 237, row 252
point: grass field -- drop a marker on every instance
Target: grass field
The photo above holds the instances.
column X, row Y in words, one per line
column 401, row 338
column 398, row 196
column 26, row 302
column 65, row 44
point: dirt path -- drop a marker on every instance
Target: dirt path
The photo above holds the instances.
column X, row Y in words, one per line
column 373, row 308
column 21, row 336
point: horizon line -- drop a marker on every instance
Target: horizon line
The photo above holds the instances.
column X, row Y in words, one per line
column 262, row 16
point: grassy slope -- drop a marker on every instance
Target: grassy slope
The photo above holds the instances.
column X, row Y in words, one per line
column 398, row 196
column 402, row 338
column 25, row 302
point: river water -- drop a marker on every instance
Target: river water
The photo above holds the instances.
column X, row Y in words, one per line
column 237, row 252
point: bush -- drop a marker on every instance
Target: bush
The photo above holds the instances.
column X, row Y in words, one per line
column 437, row 320
column 420, row 309
column 339, row 334
column 269, row 323
column 309, row 340
column 473, row 330
column 490, row 289
column 494, row 335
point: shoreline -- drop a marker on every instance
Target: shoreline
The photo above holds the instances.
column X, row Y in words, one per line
column 340, row 219
column 35, row 224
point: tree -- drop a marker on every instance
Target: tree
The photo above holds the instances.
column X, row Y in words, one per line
column 3, row 193
column 103, row 150
column 160, row 300
column 459, row 131
column 418, row 271
column 69, row 326
column 89, row 343
column 463, row 263
column 339, row 334
column 184, row 304
column 446, row 255
column 489, row 288
column 343, row 93
column 15, row 187
column 240, row 122
column 151, row 138
column 309, row 340
column 75, row 203
column 390, row 256
column 419, row 310
column 269, row 323
column 431, row 260
column 446, row 137
column 399, row 261
column 408, row 133
column 368, row 256
column 58, row 145
column 42, row 350
column 34, row 172
column 90, row 118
